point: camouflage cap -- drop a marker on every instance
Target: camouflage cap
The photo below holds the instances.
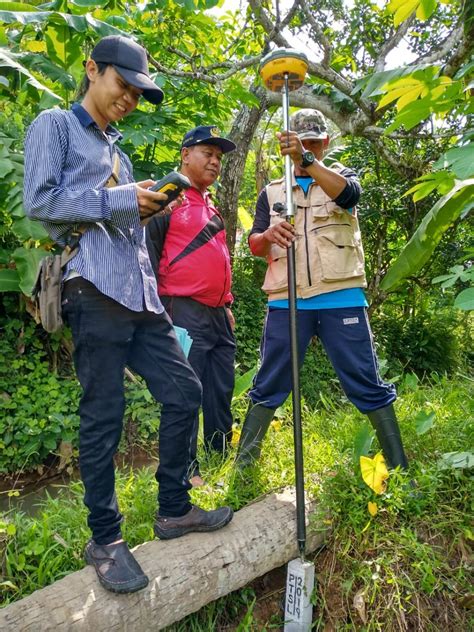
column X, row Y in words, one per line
column 309, row 124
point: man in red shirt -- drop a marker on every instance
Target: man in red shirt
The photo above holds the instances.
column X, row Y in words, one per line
column 189, row 252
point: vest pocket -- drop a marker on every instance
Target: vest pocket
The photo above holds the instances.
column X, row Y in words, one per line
column 325, row 210
column 276, row 277
column 340, row 253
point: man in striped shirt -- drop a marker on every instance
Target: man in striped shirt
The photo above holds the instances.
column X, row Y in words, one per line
column 111, row 303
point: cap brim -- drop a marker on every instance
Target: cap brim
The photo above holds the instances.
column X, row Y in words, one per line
column 224, row 143
column 312, row 136
column 151, row 92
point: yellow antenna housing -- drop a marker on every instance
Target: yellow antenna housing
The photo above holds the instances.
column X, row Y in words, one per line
column 281, row 62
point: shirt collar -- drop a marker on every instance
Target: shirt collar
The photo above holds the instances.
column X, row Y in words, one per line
column 85, row 119
column 196, row 195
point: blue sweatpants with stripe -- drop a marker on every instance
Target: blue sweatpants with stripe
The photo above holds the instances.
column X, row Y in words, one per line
column 348, row 341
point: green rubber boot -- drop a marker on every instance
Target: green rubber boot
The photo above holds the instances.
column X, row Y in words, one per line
column 253, row 431
column 386, row 428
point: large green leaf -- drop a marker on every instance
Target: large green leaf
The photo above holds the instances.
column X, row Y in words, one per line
column 6, row 167
column 244, row 382
column 92, row 4
column 456, row 460
column 427, row 236
column 459, row 159
column 27, row 261
column 79, row 23
column 16, row 6
column 363, row 442
column 34, row 61
column 25, row 229
column 9, row 60
column 465, row 299
column 424, row 421
column 9, row 280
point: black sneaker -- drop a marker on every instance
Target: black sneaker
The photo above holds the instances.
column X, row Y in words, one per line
column 196, row 519
column 116, row 568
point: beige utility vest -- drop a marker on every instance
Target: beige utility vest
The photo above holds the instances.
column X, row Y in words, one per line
column 329, row 253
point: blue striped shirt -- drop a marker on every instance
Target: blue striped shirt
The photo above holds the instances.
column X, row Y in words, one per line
column 68, row 160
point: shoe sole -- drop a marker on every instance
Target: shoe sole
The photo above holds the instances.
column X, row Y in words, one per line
column 126, row 587
column 177, row 532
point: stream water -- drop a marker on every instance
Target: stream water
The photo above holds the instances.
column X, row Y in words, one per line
column 27, row 492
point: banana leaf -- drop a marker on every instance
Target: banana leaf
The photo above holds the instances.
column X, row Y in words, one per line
column 429, row 233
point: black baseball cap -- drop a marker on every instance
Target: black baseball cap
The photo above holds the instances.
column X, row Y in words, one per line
column 130, row 61
column 207, row 135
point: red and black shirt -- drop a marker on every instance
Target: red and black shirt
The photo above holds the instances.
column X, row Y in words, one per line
column 189, row 252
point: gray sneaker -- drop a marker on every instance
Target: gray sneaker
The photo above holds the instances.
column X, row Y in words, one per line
column 196, row 519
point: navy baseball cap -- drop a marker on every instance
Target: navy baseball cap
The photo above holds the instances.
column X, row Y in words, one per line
column 130, row 61
column 207, row 135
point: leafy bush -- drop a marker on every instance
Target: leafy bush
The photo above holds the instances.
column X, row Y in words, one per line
column 429, row 342
column 38, row 405
column 249, row 306
column 318, row 377
column 142, row 417
column 36, row 416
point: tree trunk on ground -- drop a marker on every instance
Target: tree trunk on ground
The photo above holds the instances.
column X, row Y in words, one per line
column 243, row 130
column 185, row 574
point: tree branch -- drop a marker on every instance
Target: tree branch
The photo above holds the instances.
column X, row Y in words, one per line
column 314, row 68
column 180, row 53
column 349, row 124
column 202, row 73
column 451, row 41
column 273, row 31
column 392, row 43
column 393, row 159
column 322, row 39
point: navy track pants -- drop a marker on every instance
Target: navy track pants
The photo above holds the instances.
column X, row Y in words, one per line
column 348, row 341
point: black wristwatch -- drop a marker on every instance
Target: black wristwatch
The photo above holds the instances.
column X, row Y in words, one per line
column 307, row 159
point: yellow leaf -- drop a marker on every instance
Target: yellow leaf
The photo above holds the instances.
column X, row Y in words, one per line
column 374, row 472
column 439, row 90
column 235, row 437
column 399, row 89
column 425, row 9
column 405, row 10
column 372, row 507
column 393, row 5
column 245, row 218
column 276, row 424
column 35, row 46
column 409, row 97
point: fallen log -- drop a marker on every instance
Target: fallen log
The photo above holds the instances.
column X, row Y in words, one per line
column 185, row 574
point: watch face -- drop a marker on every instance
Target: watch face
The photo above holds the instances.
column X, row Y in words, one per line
column 308, row 158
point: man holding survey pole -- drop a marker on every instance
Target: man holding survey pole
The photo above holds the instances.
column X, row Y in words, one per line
column 330, row 278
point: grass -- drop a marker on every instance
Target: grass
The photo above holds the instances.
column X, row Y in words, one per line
column 409, row 567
